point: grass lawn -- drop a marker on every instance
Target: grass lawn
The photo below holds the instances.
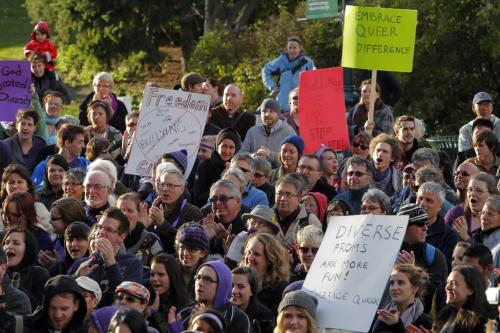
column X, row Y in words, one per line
column 15, row 27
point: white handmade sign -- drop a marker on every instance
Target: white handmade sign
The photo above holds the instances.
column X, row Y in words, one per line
column 169, row 120
column 352, row 267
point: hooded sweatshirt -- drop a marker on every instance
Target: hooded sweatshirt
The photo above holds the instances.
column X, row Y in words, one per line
column 39, row 321
column 237, row 320
column 26, row 276
column 322, row 203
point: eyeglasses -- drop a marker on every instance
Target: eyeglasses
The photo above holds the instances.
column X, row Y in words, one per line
column 305, row 249
column 221, row 198
column 128, row 298
column 244, row 170
column 356, row 173
column 204, row 278
column 97, row 187
column 462, row 173
column 107, row 229
column 475, row 190
column 167, row 186
column 488, row 214
column 370, row 208
column 307, row 167
column 287, row 195
column 101, row 85
column 359, row 145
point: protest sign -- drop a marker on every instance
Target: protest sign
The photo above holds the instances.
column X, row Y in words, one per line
column 15, row 82
column 169, row 120
column 322, row 111
column 379, row 38
column 352, row 267
column 317, row 9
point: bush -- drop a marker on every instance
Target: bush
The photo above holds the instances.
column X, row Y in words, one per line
column 239, row 55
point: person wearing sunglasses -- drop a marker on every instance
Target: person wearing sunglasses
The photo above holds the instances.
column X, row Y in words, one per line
column 223, row 216
column 415, row 250
column 250, row 196
column 213, row 288
column 359, row 172
column 261, row 177
column 133, row 295
column 308, row 242
column 461, row 179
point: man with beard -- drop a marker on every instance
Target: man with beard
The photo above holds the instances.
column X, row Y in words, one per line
column 404, row 129
column 265, row 139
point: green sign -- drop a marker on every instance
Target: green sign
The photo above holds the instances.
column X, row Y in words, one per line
column 379, row 38
column 321, row 8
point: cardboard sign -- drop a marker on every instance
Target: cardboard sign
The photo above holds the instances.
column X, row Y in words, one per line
column 379, row 38
column 352, row 267
column 322, row 110
column 15, row 82
column 169, row 120
column 317, row 9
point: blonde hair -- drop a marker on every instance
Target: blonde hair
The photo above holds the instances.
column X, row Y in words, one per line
column 278, row 267
column 280, row 322
column 311, row 235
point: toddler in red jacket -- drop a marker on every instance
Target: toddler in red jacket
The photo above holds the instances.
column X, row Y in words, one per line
column 40, row 43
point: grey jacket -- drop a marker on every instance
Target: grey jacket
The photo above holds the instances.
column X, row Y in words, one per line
column 257, row 137
column 465, row 134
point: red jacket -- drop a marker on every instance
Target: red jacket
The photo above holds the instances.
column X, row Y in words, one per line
column 46, row 47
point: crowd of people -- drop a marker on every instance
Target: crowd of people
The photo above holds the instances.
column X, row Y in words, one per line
column 227, row 247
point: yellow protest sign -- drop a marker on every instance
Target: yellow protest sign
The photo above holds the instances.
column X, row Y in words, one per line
column 379, row 38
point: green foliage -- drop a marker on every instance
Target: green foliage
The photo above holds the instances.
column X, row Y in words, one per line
column 238, row 56
column 456, row 55
column 116, row 36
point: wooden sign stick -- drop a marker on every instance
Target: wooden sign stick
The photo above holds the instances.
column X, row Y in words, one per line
column 373, row 97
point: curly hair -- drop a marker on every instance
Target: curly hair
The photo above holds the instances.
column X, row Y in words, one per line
column 391, row 141
column 274, row 252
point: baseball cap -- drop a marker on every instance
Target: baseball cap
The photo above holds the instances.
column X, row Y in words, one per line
column 481, row 96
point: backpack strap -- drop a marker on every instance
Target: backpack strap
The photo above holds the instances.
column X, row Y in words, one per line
column 430, row 253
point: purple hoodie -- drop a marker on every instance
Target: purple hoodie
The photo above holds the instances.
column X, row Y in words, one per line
column 102, row 317
column 224, row 284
